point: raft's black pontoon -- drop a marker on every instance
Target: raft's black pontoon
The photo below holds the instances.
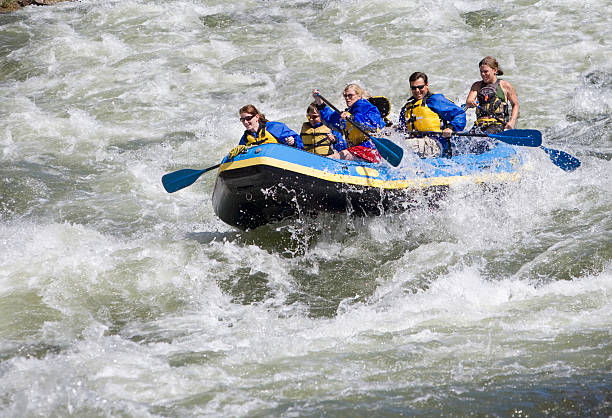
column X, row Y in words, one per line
column 272, row 182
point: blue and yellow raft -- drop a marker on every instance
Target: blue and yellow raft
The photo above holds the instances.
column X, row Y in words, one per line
column 272, row 182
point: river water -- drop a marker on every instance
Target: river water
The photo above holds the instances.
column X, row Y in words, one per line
column 118, row 299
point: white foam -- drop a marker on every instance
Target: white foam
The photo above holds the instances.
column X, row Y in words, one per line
column 119, row 298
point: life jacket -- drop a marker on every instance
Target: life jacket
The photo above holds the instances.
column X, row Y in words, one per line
column 263, row 137
column 353, row 135
column 419, row 117
column 315, row 140
column 492, row 105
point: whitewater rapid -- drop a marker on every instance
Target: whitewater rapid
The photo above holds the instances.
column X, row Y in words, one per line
column 119, row 299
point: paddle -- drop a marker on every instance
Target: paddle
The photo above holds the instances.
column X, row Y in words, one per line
column 559, row 158
column 521, row 137
column 529, row 138
column 386, row 148
column 180, row 179
column 562, row 159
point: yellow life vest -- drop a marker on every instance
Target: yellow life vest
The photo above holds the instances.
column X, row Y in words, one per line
column 311, row 136
column 354, row 135
column 263, row 137
column 492, row 105
column 419, row 117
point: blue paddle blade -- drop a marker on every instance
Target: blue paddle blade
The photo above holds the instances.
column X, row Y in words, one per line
column 180, row 179
column 522, row 137
column 388, row 150
column 562, row 159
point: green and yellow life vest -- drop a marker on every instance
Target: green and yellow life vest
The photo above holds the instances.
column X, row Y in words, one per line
column 315, row 140
column 263, row 137
column 419, row 117
column 492, row 105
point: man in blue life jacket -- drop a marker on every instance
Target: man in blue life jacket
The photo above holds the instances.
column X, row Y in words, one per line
column 433, row 115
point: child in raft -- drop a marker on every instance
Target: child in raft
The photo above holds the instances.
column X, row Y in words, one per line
column 318, row 138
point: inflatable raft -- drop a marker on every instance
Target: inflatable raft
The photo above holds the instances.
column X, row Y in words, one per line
column 272, row 182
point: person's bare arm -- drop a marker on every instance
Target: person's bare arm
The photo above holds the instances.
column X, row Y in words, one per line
column 471, row 98
column 513, row 99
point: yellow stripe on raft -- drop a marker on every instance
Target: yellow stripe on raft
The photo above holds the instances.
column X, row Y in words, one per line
column 368, row 180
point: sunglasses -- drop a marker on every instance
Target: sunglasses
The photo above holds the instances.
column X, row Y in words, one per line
column 313, row 116
column 421, row 87
column 348, row 96
column 247, row 118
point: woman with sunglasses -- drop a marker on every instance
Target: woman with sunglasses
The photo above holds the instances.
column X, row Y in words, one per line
column 491, row 97
column 428, row 112
column 259, row 130
column 317, row 137
column 359, row 111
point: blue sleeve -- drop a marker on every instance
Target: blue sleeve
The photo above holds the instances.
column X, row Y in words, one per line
column 332, row 119
column 243, row 139
column 340, row 143
column 298, row 142
column 367, row 116
column 281, row 132
column 448, row 111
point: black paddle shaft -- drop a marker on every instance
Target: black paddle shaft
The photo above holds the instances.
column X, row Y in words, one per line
column 327, row 102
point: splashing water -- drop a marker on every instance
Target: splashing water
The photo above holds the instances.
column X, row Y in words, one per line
column 117, row 298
